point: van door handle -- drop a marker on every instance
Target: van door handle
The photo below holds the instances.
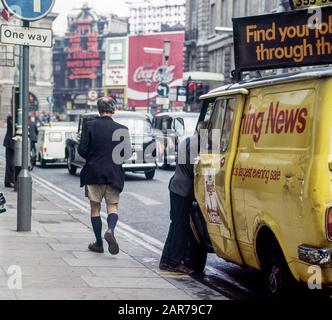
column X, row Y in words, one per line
column 330, row 166
column 289, row 176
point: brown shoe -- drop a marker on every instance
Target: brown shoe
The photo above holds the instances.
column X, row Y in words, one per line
column 113, row 246
column 181, row 268
column 94, row 248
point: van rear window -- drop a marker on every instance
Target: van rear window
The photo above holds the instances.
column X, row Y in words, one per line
column 55, row 137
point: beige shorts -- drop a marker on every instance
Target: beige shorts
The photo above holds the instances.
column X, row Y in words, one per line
column 98, row 193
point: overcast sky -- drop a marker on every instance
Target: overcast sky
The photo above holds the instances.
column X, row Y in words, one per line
column 119, row 7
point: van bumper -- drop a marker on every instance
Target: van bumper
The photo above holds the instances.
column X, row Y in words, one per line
column 314, row 256
column 139, row 167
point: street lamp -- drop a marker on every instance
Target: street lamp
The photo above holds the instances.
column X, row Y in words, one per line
column 223, row 30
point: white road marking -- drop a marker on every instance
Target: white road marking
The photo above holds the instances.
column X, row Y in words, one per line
column 145, row 200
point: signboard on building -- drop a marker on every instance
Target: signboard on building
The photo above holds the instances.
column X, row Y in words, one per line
column 283, row 40
column 147, row 69
column 119, row 94
column 116, row 69
column 296, row 4
column 84, row 58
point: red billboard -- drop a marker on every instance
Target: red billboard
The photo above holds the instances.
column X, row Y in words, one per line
column 146, row 65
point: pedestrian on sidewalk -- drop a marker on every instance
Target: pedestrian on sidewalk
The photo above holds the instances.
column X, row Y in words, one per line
column 181, row 189
column 10, row 152
column 105, row 145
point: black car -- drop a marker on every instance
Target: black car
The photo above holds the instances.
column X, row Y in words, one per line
column 143, row 143
column 169, row 130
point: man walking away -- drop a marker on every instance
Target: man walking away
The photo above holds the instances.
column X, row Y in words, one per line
column 10, row 151
column 105, row 145
column 181, row 196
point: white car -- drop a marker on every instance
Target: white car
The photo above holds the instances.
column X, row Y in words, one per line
column 51, row 143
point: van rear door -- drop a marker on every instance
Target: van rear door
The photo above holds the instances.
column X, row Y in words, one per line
column 214, row 171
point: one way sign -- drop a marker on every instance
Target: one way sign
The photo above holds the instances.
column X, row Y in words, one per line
column 35, row 37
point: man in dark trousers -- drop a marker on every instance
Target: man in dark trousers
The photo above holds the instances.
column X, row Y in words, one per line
column 181, row 196
column 105, row 145
column 10, row 151
column 33, row 136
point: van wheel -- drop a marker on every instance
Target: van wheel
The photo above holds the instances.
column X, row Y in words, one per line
column 71, row 168
column 150, row 174
column 278, row 280
column 43, row 163
column 163, row 166
column 196, row 255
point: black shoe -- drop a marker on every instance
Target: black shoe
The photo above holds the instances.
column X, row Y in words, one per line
column 181, row 268
column 9, row 185
column 97, row 249
column 113, row 246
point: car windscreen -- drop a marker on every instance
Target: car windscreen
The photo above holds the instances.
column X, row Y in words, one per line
column 190, row 124
column 135, row 126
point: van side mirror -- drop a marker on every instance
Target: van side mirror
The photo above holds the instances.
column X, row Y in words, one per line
column 179, row 127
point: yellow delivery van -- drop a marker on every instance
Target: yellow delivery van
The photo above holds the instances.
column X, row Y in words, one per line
column 264, row 190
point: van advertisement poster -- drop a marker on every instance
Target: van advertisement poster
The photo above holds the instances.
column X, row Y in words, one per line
column 211, row 203
column 284, row 40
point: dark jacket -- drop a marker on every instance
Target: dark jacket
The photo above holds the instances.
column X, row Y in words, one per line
column 33, row 132
column 182, row 182
column 105, row 145
column 9, row 142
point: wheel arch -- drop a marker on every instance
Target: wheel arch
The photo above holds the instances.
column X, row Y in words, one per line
column 265, row 235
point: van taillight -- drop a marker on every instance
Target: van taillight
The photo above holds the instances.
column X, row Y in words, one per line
column 329, row 224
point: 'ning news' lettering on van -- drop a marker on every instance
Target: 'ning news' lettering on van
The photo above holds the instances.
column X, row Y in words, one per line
column 276, row 121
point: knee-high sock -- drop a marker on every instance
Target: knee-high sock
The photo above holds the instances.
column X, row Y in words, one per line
column 112, row 221
column 97, row 229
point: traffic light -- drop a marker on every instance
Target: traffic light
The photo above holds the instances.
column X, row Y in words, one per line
column 191, row 92
column 199, row 91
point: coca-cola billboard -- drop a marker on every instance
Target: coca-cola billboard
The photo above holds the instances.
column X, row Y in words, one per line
column 147, row 68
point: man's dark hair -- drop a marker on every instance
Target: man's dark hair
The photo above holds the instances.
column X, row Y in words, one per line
column 106, row 105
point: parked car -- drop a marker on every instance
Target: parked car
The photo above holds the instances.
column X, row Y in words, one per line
column 169, row 130
column 51, row 144
column 143, row 143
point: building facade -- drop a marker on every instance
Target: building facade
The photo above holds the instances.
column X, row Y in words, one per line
column 148, row 18
column 209, row 52
column 41, row 72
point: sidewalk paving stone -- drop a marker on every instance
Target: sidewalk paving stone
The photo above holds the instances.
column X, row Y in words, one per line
column 128, row 283
column 68, row 294
column 111, row 262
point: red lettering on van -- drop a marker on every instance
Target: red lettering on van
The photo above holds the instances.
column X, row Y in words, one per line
column 278, row 122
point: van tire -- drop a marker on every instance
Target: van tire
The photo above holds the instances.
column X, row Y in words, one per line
column 150, row 175
column 71, row 168
column 43, row 163
column 196, row 255
column 278, row 280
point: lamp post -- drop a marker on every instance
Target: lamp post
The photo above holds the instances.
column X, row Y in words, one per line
column 148, row 84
